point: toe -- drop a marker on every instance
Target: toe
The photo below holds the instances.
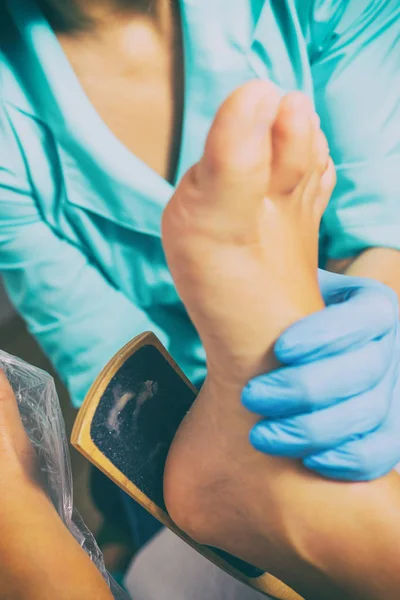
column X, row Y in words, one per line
column 319, row 184
column 328, row 181
column 293, row 143
column 316, row 187
column 321, row 150
column 223, row 194
column 235, row 170
column 239, row 142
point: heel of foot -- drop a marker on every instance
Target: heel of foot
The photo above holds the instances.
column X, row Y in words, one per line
column 188, row 496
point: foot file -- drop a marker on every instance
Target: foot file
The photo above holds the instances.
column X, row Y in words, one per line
column 125, row 428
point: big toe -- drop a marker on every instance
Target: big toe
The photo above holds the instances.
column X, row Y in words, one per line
column 227, row 187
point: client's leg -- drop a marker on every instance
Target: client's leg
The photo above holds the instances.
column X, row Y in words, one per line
column 39, row 558
column 241, row 238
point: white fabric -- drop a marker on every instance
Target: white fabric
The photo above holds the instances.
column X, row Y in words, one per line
column 169, row 569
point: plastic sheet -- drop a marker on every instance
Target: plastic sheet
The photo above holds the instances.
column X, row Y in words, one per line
column 41, row 415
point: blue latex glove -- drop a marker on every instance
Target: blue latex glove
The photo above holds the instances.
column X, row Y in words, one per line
column 335, row 403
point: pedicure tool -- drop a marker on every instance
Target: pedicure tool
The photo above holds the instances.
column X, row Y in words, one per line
column 125, row 428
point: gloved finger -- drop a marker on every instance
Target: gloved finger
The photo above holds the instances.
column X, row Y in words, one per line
column 336, row 287
column 365, row 457
column 314, row 386
column 312, row 433
column 359, row 460
column 368, row 314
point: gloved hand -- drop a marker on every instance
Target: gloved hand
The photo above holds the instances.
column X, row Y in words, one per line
column 335, row 402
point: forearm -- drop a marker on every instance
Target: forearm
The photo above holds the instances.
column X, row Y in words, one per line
column 382, row 264
column 348, row 533
column 39, row 558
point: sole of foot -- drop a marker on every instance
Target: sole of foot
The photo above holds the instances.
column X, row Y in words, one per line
column 241, row 240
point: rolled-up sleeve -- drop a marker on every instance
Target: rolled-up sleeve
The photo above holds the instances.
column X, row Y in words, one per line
column 77, row 316
column 356, row 73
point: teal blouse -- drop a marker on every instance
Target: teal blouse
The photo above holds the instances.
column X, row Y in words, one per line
column 80, row 248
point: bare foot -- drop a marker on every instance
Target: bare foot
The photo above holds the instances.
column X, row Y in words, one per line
column 241, row 237
column 241, row 240
column 241, row 232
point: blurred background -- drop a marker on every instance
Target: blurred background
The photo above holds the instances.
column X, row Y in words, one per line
column 15, row 340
